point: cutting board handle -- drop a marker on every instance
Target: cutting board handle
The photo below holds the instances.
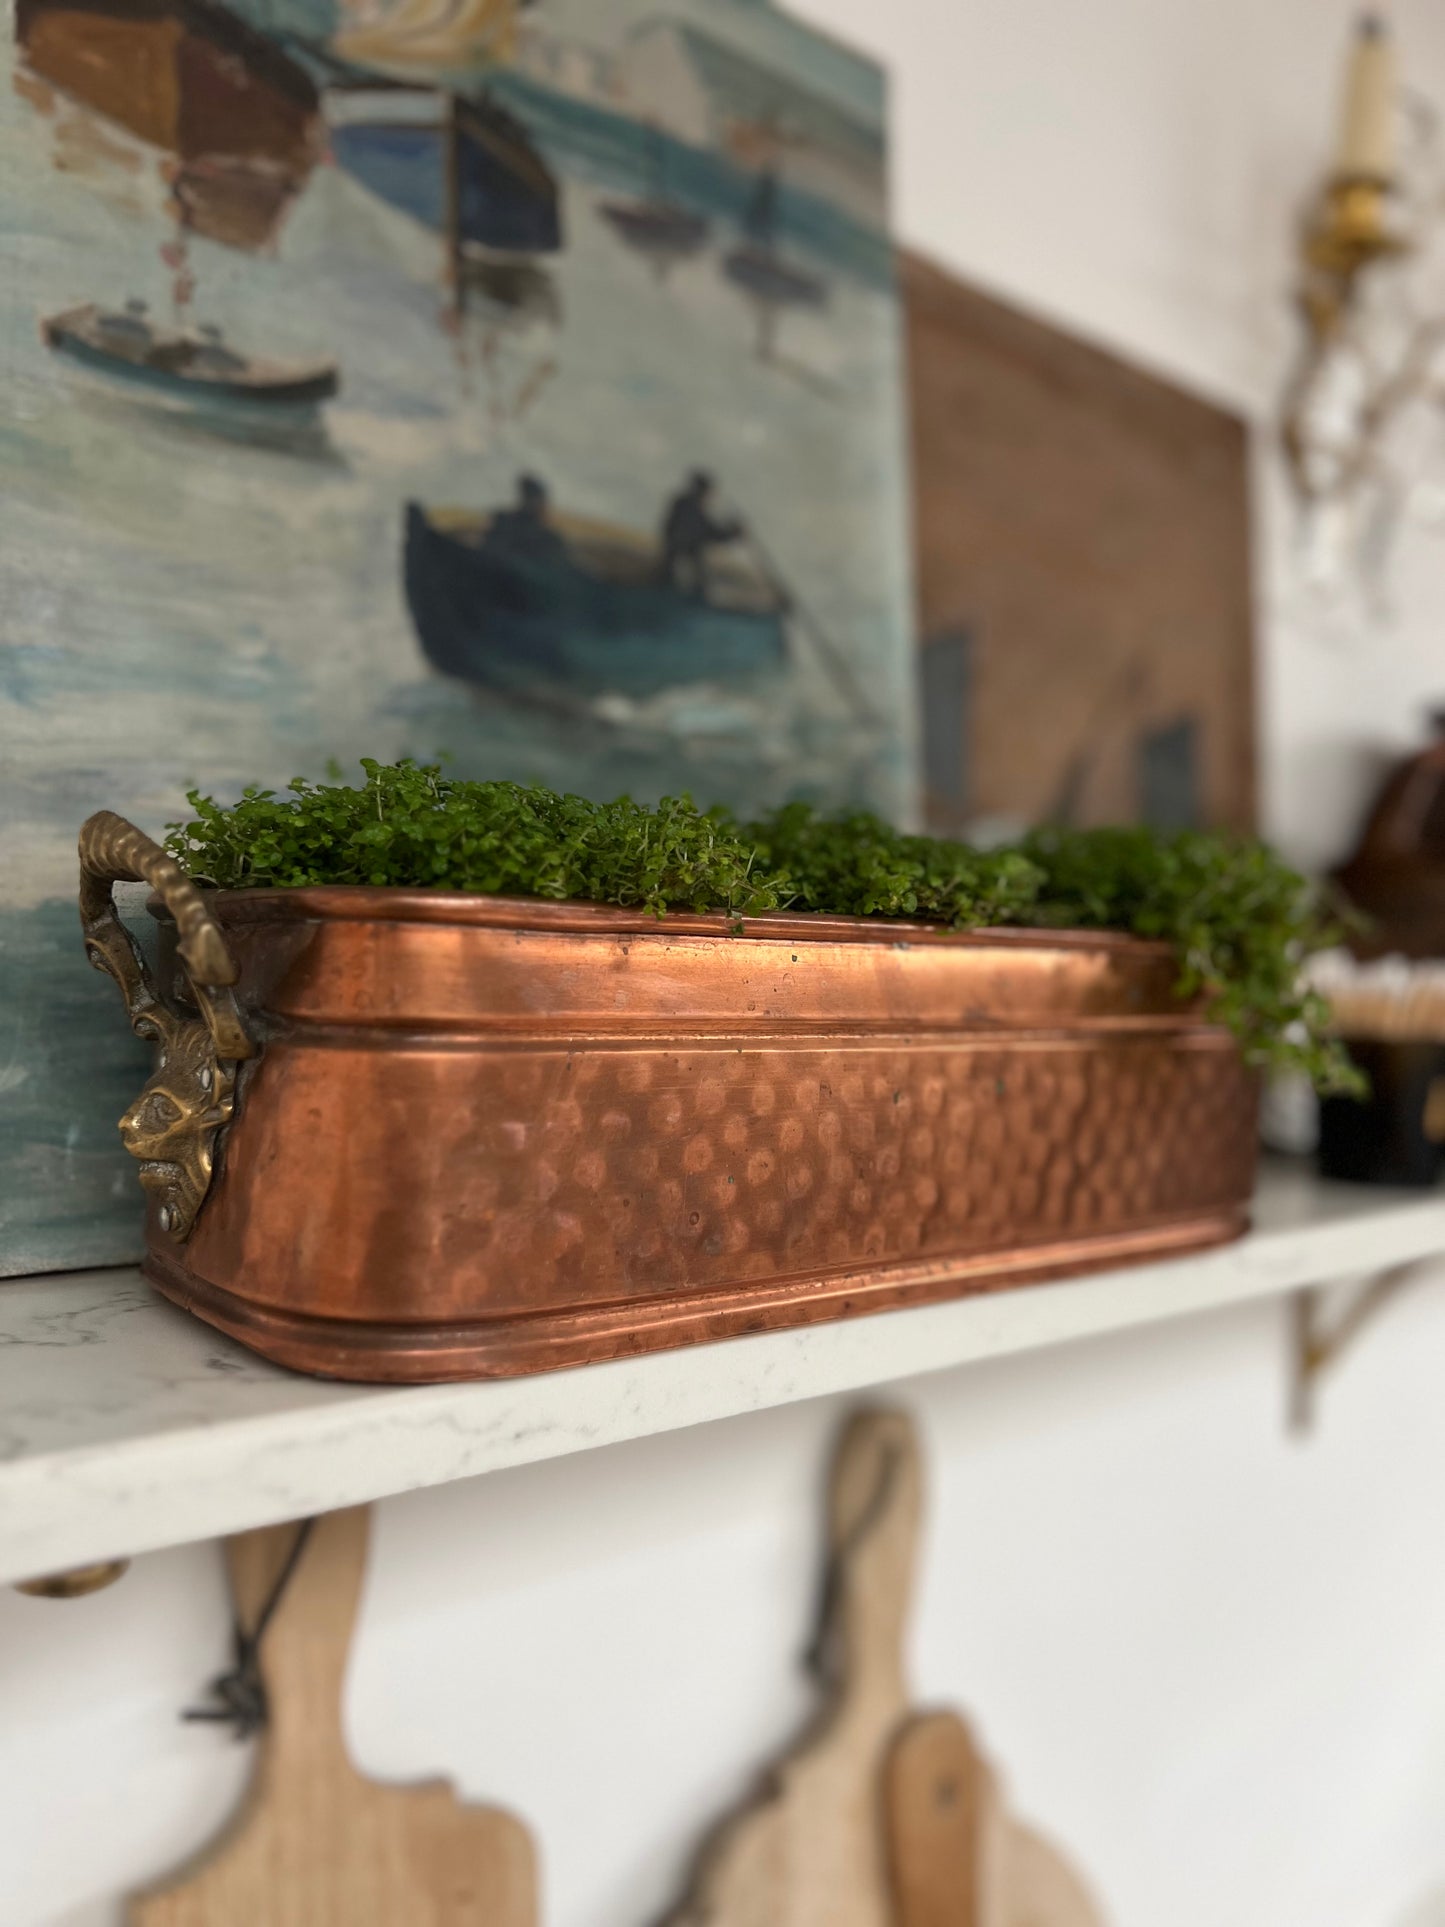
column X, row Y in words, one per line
column 304, row 1656
column 873, row 1524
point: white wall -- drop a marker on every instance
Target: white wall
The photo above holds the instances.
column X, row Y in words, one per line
column 1209, row 1657
column 1134, row 169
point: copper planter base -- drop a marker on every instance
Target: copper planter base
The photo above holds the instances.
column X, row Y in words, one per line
column 401, row 1354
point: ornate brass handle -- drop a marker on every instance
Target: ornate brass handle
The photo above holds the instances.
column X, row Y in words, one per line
column 172, row 1127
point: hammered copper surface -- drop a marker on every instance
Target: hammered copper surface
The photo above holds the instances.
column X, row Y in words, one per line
column 488, row 1137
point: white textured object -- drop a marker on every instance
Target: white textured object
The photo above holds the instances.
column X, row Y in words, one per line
column 126, row 1425
column 1390, row 996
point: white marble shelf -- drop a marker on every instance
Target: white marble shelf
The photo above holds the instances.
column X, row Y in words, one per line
column 126, row 1425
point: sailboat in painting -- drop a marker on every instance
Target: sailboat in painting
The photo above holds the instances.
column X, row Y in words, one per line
column 236, row 117
column 410, row 121
column 657, row 225
column 758, row 267
column 465, row 168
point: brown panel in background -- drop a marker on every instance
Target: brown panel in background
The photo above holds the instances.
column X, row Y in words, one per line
column 1082, row 553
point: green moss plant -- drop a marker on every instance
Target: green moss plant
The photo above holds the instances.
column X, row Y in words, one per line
column 1241, row 921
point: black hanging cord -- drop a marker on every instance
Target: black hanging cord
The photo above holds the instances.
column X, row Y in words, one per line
column 818, row 1658
column 240, row 1693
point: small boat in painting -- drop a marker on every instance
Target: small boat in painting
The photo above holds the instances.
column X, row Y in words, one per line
column 756, row 265
column 465, row 168
column 661, row 230
column 762, row 273
column 657, row 226
column 591, row 615
column 186, row 364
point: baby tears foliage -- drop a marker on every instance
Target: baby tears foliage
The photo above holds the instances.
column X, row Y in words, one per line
column 1241, row 921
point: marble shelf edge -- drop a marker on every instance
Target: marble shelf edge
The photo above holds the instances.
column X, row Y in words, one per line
column 126, row 1426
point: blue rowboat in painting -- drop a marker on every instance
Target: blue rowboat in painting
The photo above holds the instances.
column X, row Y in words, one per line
column 194, row 367
column 582, row 609
column 465, row 168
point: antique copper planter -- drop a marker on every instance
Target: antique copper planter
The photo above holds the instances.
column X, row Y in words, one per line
column 461, row 1136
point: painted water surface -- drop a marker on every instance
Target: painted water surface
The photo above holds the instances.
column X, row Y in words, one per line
column 517, row 383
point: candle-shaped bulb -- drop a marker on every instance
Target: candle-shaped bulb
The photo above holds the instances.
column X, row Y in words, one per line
column 1367, row 145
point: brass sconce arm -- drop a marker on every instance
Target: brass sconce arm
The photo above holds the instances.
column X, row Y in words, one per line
column 1350, row 230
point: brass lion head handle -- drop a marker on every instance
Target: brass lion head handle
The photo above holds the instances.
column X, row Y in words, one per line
column 171, row 1128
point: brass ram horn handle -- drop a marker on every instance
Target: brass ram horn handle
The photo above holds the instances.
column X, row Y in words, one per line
column 172, row 1127
column 114, row 851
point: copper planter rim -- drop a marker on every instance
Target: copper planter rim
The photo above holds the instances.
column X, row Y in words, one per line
column 389, row 903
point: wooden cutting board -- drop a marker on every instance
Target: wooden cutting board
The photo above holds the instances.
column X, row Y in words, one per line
column 958, row 1859
column 809, row 1849
column 875, row 1818
column 314, row 1844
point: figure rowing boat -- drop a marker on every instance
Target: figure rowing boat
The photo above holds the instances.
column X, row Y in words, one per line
column 587, row 613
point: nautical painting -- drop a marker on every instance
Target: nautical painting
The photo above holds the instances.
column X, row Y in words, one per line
column 1084, row 583
column 513, row 382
